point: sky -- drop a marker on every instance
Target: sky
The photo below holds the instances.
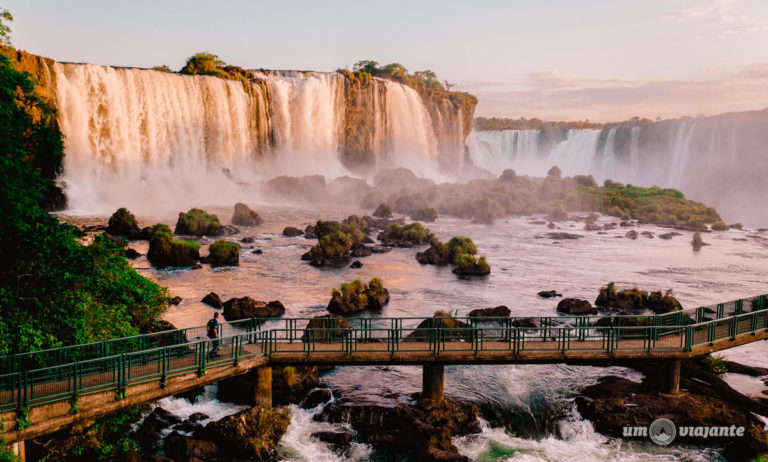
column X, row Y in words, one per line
column 604, row 60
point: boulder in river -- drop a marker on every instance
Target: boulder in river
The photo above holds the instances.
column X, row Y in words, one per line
column 358, row 296
column 316, row 397
column 549, row 294
column 356, row 264
column 632, row 234
column 165, row 250
column 290, row 231
column 123, row 223
column 327, row 327
column 563, row 236
column 246, row 307
column 336, row 439
column 244, row 216
column 423, row 430
column 197, row 222
column 500, row 311
column 252, row 434
column 576, row 307
column 223, row 253
column 213, row 299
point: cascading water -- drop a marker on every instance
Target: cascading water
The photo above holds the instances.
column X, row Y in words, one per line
column 716, row 160
column 152, row 140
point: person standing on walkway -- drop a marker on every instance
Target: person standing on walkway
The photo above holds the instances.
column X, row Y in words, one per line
column 213, row 333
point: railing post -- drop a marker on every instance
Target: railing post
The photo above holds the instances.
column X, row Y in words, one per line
column 163, row 371
column 611, row 335
column 77, row 381
column 732, row 328
column 236, row 343
column 688, row 338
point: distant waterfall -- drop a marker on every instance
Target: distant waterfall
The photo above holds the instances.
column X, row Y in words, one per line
column 722, row 160
column 139, row 137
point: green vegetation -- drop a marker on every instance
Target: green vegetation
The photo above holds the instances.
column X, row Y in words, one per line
column 428, row 214
column 204, row 64
column 715, row 364
column 501, row 123
column 165, row 250
column 356, row 296
column 650, row 205
column 162, row 68
column 468, row 265
column 5, row 29
column 407, row 235
column 383, row 211
column 54, row 290
column 223, row 252
column 424, row 82
column 122, row 223
column 331, row 247
column 719, row 226
column 197, row 222
column 352, row 230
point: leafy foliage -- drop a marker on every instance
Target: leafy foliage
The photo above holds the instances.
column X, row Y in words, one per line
column 204, row 64
column 54, row 290
column 197, row 222
column 383, row 211
column 331, row 247
column 5, row 29
column 162, row 68
column 425, row 214
column 501, row 123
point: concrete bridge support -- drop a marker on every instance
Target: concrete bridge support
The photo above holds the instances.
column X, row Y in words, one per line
column 264, row 386
column 432, row 381
column 671, row 379
column 19, row 449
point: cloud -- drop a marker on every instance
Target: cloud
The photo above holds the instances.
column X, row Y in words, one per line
column 559, row 96
column 727, row 13
column 708, row 9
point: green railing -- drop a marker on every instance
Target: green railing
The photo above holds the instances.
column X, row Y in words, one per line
column 36, row 378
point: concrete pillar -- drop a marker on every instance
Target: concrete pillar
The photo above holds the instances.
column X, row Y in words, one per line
column 19, row 448
column 432, row 381
column 671, row 379
column 264, row 386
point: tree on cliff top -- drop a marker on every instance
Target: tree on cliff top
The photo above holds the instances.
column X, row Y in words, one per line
column 5, row 30
column 204, row 64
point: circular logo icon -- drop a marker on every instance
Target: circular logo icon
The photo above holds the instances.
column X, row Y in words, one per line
column 662, row 431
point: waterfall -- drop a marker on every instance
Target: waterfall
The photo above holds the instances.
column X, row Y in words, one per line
column 140, row 138
column 718, row 160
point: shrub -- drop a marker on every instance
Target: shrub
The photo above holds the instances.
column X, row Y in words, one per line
column 425, row 214
column 737, row 225
column 716, row 364
column 204, row 64
column 162, row 68
column 383, row 211
column 719, row 226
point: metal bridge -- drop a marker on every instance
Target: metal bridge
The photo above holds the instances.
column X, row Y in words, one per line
column 44, row 391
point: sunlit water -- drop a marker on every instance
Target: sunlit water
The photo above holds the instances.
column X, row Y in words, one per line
column 537, row 399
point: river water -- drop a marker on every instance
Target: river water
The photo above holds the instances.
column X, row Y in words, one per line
column 533, row 402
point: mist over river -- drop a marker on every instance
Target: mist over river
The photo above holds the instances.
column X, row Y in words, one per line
column 533, row 402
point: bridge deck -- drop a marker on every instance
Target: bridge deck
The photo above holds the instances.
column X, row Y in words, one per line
column 107, row 383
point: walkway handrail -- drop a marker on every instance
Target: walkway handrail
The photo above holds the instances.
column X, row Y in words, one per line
column 68, row 354
column 30, row 387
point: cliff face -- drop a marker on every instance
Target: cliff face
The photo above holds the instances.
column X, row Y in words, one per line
column 364, row 117
column 452, row 116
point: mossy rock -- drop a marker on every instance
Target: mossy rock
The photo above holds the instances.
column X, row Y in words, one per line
column 357, row 296
column 123, row 223
column 197, row 222
column 164, row 251
column 405, row 236
column 467, row 265
column 331, row 248
column 223, row 252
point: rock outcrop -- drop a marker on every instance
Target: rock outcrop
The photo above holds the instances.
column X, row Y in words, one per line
column 246, row 307
column 244, row 216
